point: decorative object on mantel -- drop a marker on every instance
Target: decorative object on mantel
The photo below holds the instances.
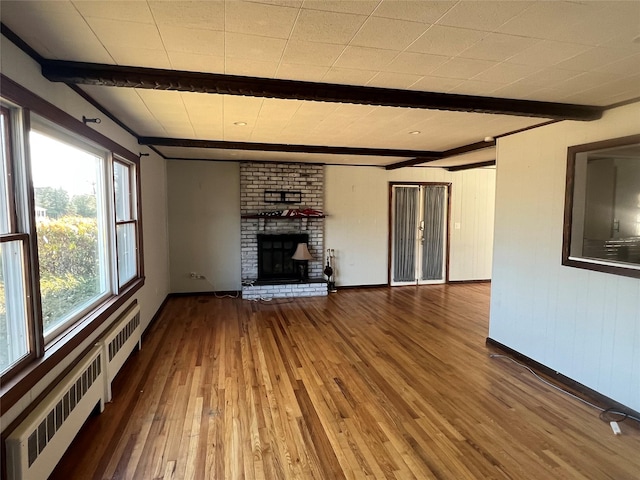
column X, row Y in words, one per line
column 282, row 196
column 302, row 257
column 328, row 271
column 307, row 212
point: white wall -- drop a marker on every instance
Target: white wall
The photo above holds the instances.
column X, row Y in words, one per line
column 357, row 226
column 22, row 69
column 204, row 225
column 583, row 324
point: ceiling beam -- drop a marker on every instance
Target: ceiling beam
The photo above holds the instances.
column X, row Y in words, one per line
column 285, row 147
column 472, row 147
column 468, row 166
column 160, row 79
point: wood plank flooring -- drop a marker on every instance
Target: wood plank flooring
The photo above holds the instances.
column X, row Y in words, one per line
column 378, row 383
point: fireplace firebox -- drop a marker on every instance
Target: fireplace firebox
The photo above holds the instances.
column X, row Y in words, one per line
column 274, row 256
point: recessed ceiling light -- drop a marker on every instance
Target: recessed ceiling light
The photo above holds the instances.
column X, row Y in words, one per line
column 240, row 124
column 415, row 132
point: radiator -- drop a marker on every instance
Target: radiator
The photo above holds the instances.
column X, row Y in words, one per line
column 118, row 343
column 37, row 444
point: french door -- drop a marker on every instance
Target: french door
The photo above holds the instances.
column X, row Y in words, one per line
column 419, row 219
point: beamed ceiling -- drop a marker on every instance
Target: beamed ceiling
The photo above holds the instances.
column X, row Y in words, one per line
column 388, row 83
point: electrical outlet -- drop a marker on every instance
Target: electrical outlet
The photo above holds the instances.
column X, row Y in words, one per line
column 616, row 428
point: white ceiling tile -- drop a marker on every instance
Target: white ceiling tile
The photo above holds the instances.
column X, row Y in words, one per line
column 365, row 58
column 415, row 63
column 418, row 11
column 205, row 15
column 348, row 76
column 40, row 25
column 307, row 73
column 259, row 19
column 326, row 27
column 516, row 90
column 126, row 11
column 543, row 18
column 125, row 34
column 250, row 68
column 311, row 53
column 546, row 53
column 626, row 66
column 196, row 63
column 362, row 7
column 442, row 40
column 506, row 73
column 388, row 33
column 463, row 68
column 134, row 56
column 593, row 59
column 192, row 40
column 484, row 15
column 394, row 80
column 588, row 80
column 126, row 105
column 548, row 76
column 498, row 47
column 281, row 3
column 240, row 45
column 478, row 87
column 241, row 109
column 436, row 84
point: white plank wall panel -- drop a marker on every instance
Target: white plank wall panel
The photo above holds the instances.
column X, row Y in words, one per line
column 357, row 203
column 585, row 325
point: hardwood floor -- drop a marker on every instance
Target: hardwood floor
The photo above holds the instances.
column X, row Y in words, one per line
column 379, row 383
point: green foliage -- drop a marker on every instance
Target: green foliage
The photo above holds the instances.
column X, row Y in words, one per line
column 55, row 200
column 69, row 269
column 68, row 246
column 84, row 205
column 60, row 295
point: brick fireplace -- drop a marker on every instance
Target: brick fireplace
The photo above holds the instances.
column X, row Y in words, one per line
column 266, row 188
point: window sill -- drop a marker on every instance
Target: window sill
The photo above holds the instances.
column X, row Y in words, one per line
column 19, row 385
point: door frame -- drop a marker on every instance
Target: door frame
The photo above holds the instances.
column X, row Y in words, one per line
column 447, row 185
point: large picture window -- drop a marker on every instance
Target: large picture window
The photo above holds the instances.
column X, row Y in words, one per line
column 70, row 240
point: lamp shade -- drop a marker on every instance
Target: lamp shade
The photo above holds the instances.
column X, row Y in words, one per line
column 302, row 253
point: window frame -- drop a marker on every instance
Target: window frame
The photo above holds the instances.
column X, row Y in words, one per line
column 13, row 235
column 133, row 213
column 23, row 376
column 580, row 261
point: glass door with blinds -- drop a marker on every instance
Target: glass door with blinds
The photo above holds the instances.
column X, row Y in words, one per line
column 419, row 233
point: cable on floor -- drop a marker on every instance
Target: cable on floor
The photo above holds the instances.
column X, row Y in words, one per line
column 603, row 411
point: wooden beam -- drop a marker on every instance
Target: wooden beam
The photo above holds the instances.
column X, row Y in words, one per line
column 469, row 166
column 160, row 79
column 472, row 147
column 284, row 147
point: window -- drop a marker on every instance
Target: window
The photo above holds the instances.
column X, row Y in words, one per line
column 70, row 251
column 15, row 335
column 126, row 224
column 602, row 209
column 71, row 225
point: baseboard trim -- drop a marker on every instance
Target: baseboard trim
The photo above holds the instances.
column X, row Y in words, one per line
column 567, row 383
column 458, row 282
column 219, row 293
column 352, row 287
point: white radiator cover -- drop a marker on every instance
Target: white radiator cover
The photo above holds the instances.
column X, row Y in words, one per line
column 118, row 343
column 37, row 444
